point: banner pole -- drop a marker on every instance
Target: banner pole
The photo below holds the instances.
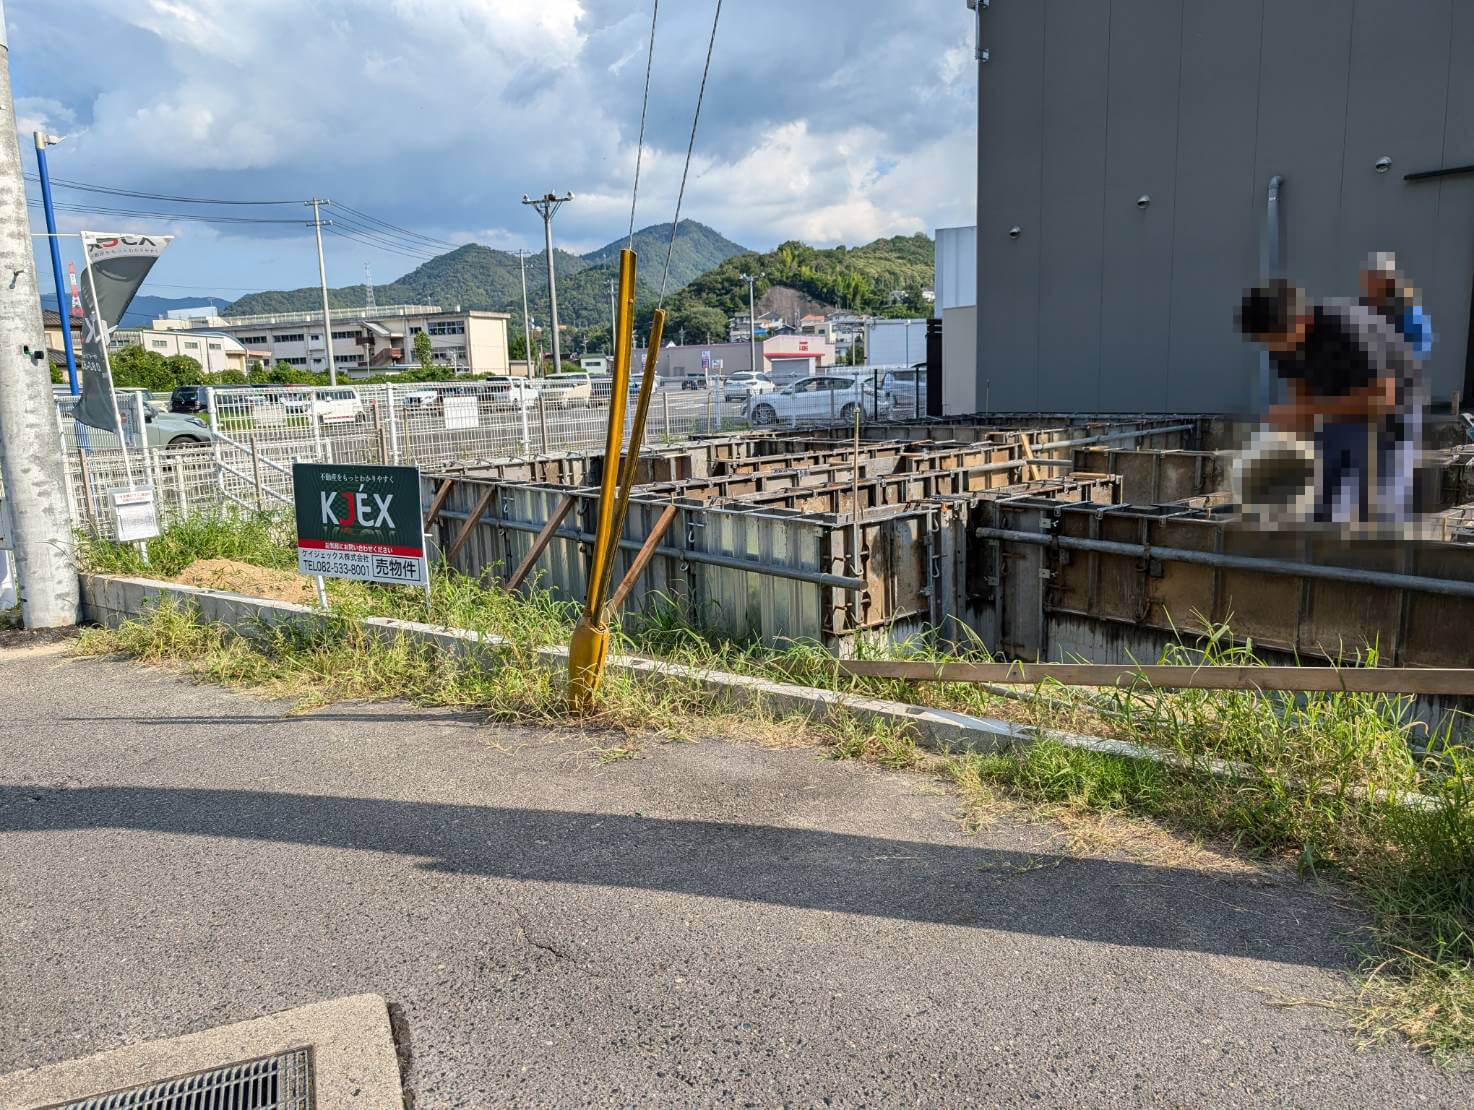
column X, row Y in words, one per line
column 107, row 366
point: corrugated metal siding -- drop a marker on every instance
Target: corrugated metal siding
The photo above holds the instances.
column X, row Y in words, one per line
column 1100, row 305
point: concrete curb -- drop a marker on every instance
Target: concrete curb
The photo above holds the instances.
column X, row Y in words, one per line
column 111, row 599
column 354, row 1059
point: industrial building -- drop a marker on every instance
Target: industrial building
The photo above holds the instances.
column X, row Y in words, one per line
column 367, row 340
column 1141, row 162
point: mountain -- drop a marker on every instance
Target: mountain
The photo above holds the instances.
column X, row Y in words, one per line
column 146, row 308
column 474, row 276
column 863, row 279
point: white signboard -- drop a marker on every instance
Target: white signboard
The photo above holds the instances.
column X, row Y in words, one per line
column 269, row 416
column 460, row 412
column 366, row 566
column 134, row 513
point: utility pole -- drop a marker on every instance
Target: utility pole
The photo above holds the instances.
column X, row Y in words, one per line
column 751, row 323
column 612, row 284
column 526, row 322
column 43, row 141
column 547, row 207
column 34, row 474
column 322, row 274
column 368, row 285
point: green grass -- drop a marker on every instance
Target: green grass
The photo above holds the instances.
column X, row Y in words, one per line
column 1324, row 776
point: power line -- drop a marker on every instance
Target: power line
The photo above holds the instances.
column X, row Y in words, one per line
column 140, row 213
column 353, row 237
column 395, row 227
column 87, row 187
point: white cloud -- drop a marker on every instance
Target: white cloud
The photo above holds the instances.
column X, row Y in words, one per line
column 842, row 123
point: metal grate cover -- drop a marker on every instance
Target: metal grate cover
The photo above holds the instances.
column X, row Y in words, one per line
column 281, row 1082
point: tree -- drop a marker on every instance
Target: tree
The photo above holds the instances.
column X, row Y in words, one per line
column 184, row 370
column 424, row 354
column 231, row 377
column 136, row 368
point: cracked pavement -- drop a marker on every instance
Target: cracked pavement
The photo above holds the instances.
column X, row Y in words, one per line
column 708, row 922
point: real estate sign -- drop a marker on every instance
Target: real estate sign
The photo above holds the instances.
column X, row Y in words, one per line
column 360, row 522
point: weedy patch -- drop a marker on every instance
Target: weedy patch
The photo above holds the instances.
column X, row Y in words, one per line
column 1324, row 776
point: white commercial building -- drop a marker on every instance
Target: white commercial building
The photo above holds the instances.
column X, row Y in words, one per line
column 216, row 352
column 957, row 305
column 367, row 341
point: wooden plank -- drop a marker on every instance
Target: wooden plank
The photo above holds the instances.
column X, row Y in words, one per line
column 471, row 522
column 539, row 543
column 1028, row 449
column 438, row 502
column 643, row 557
column 1368, row 680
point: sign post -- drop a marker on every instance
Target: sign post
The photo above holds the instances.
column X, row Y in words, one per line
column 135, row 516
column 360, row 522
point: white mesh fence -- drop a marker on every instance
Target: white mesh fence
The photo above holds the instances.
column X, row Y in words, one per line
column 237, row 454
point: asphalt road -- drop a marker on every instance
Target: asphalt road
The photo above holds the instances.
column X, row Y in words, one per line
column 708, row 923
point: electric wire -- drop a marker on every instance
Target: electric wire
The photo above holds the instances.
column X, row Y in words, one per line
column 131, row 213
column 395, row 227
column 701, row 93
column 141, row 195
column 644, row 109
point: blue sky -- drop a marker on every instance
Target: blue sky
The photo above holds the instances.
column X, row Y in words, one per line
column 825, row 120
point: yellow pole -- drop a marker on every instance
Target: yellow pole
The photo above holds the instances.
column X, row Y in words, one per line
column 590, row 644
column 637, row 437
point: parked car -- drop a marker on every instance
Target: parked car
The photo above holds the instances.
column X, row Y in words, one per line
column 333, row 404
column 694, row 379
column 601, row 388
column 190, row 398
column 163, row 429
column 567, row 389
column 517, row 392
column 905, row 390
column 821, row 397
column 743, row 384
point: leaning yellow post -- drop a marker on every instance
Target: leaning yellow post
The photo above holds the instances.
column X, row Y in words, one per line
column 590, row 645
column 637, row 437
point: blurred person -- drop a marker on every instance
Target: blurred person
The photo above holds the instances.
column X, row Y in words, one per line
column 1387, row 292
column 1353, row 391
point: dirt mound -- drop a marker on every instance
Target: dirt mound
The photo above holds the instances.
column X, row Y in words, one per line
column 243, row 578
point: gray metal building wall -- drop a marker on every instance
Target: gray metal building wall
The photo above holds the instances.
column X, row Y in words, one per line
column 1087, row 105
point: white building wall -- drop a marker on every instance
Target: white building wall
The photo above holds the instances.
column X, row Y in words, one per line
column 895, row 342
column 956, row 267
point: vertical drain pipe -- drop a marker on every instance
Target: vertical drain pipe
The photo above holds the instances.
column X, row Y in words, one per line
column 1271, row 268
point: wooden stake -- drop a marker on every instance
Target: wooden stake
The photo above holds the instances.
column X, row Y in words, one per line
column 471, row 522
column 438, row 502
column 1357, row 680
column 539, row 544
column 643, row 557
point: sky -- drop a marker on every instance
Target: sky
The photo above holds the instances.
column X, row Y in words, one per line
column 829, row 121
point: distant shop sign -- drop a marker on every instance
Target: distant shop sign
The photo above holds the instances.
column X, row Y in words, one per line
column 360, row 522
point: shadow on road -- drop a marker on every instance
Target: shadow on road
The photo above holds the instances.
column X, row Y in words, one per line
column 968, row 885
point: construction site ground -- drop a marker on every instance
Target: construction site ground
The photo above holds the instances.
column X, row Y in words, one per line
column 705, row 922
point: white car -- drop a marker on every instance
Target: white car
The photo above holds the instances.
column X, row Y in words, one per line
column 820, row 398
column 329, row 405
column 747, row 383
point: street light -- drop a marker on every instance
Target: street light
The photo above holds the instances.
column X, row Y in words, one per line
column 43, row 141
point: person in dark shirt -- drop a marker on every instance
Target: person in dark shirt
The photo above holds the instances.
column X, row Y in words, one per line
column 1352, row 389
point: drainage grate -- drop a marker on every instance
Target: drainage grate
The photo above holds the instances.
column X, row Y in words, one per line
column 281, row 1082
